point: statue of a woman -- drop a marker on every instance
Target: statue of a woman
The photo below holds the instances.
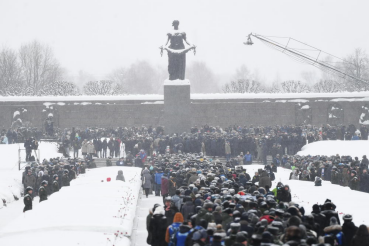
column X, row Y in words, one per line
column 177, row 52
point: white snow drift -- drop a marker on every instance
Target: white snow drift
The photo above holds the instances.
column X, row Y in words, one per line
column 91, row 211
column 10, row 176
column 328, row 148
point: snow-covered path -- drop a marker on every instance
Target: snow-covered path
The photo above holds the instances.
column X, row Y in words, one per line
column 139, row 234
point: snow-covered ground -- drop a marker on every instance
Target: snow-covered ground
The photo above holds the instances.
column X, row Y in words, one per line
column 328, row 148
column 91, row 211
column 306, row 194
column 10, row 176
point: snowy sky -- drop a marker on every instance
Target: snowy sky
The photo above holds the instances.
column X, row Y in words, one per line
column 99, row 36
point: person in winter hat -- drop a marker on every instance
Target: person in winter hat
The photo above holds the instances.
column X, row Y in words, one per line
column 120, row 176
column 349, row 229
column 158, row 227
column 173, row 229
column 318, row 181
column 42, row 191
column 334, row 231
column 27, row 200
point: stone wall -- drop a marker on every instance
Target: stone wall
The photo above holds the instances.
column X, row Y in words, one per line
column 222, row 112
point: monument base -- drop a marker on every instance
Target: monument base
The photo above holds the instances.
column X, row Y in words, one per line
column 177, row 106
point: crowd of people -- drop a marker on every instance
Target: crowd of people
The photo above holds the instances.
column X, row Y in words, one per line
column 232, row 141
column 206, row 202
column 340, row 170
column 51, row 175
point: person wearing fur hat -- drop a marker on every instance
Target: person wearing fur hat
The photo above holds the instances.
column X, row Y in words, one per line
column 333, row 233
column 158, row 227
column 349, row 229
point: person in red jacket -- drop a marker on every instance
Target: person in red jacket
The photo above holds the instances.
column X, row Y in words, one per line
column 164, row 186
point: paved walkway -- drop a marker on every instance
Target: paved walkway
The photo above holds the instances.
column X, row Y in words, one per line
column 139, row 234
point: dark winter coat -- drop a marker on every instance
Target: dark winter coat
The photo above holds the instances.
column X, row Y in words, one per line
column 188, row 209
column 120, row 176
column 354, row 183
column 264, row 180
column 27, row 202
column 283, row 195
column 158, row 228
column 328, row 215
column 55, row 186
column 65, row 180
column 170, row 214
column 349, row 230
column 42, row 193
column 364, row 182
column 205, row 215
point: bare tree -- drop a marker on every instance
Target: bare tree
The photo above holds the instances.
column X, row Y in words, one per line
column 327, row 86
column 38, row 65
column 9, row 68
column 357, row 64
column 243, row 86
column 102, row 87
column 293, row 86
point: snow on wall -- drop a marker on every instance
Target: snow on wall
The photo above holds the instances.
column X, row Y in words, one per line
column 90, row 204
column 295, row 97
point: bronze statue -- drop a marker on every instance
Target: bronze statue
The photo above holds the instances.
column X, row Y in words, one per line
column 177, row 52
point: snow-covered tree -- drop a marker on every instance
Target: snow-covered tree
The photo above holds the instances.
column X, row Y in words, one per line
column 59, row 88
column 327, row 86
column 243, row 86
column 293, row 86
column 102, row 87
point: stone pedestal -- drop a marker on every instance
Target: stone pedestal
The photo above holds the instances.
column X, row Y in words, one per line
column 177, row 106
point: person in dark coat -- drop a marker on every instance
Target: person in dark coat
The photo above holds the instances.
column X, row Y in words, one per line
column 65, row 178
column 104, row 147
column 354, row 181
column 284, row 195
column 361, row 237
column 146, row 181
column 364, row 181
column 120, row 176
column 264, row 180
column 188, row 208
column 42, row 192
column 158, row 227
column 170, row 210
column 349, row 230
column 28, row 199
column 55, row 185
